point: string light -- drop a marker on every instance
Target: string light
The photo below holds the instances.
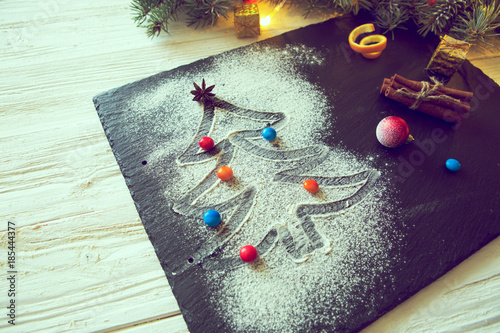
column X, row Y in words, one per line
column 267, row 20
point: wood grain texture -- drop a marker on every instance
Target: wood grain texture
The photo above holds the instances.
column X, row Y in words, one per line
column 84, row 261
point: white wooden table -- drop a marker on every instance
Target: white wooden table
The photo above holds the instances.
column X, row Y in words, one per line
column 83, row 260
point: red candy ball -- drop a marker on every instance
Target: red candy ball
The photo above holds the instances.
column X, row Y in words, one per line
column 392, row 132
column 224, row 173
column 248, row 253
column 311, row 185
column 206, row 143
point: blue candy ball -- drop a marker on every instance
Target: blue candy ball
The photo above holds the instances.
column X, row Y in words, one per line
column 269, row 133
column 452, row 164
column 211, row 218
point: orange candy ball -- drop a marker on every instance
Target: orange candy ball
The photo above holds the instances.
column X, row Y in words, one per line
column 311, row 185
column 224, row 173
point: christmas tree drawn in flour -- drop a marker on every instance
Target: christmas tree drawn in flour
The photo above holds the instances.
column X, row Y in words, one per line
column 237, row 210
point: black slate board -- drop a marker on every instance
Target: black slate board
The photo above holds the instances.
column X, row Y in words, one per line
column 447, row 216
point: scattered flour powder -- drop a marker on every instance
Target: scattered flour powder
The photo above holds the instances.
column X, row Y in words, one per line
column 275, row 294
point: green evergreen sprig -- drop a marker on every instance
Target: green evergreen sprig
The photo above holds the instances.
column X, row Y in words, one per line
column 155, row 15
column 440, row 16
column 392, row 14
column 478, row 23
column 203, row 12
column 468, row 20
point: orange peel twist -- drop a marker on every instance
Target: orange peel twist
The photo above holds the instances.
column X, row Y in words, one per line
column 377, row 42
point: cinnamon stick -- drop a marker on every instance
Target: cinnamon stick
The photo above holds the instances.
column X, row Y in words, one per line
column 428, row 108
column 464, row 96
column 385, row 85
column 462, row 107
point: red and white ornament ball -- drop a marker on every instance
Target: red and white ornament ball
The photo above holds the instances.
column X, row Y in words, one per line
column 392, row 132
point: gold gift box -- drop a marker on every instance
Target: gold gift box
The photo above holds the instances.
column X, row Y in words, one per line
column 247, row 21
column 448, row 57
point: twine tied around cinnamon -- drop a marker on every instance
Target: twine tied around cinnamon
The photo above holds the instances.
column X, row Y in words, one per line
column 426, row 94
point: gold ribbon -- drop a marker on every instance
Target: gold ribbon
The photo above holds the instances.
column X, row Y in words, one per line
column 461, row 45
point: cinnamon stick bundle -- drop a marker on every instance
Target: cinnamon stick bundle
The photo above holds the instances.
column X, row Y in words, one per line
column 433, row 99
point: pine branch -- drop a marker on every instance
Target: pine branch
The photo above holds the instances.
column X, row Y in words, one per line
column 478, row 23
column 142, row 8
column 469, row 20
column 438, row 17
column 159, row 17
column 313, row 6
column 329, row 6
column 203, row 12
column 363, row 4
column 353, row 6
column 390, row 15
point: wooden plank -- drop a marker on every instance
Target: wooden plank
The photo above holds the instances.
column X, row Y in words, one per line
column 174, row 324
column 462, row 300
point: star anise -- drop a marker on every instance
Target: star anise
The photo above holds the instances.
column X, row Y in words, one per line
column 202, row 93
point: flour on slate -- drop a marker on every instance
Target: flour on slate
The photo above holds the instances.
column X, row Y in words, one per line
column 318, row 252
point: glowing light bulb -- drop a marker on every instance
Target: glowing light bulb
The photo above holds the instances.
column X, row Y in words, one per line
column 266, row 20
